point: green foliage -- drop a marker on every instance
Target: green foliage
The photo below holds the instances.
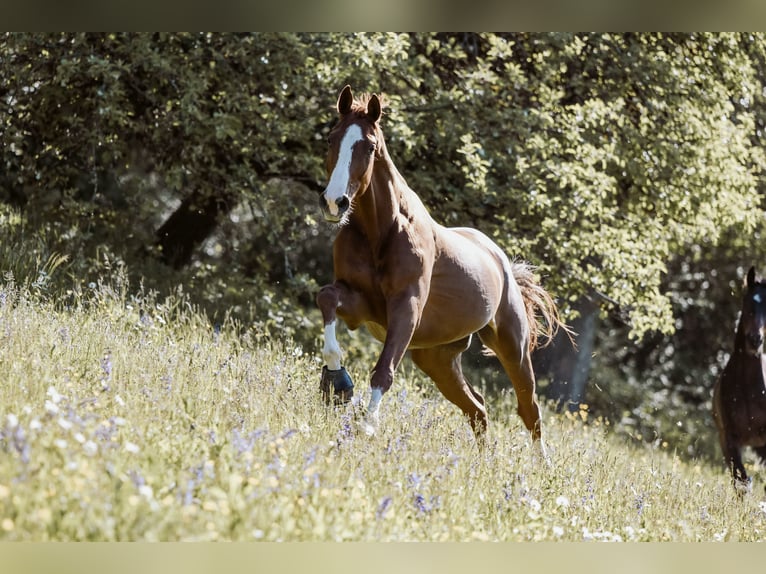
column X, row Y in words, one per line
column 127, row 417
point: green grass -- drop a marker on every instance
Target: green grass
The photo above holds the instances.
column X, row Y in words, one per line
column 125, row 417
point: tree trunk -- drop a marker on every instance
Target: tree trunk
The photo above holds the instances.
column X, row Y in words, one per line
column 566, row 366
column 189, row 225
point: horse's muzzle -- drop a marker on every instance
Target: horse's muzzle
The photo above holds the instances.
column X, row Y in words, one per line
column 341, row 205
column 336, row 386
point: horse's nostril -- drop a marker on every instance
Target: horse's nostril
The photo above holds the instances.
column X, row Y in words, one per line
column 342, row 203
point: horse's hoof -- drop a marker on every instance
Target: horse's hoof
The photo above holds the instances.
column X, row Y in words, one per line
column 369, row 424
column 743, row 486
column 341, row 384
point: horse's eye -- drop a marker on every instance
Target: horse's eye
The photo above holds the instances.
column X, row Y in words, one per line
column 371, row 149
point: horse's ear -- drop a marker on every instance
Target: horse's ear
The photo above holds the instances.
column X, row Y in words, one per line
column 751, row 278
column 345, row 100
column 374, row 108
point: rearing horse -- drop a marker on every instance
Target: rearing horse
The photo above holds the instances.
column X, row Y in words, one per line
column 418, row 285
column 739, row 395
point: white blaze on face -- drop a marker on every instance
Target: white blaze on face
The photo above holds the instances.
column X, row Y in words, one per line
column 339, row 179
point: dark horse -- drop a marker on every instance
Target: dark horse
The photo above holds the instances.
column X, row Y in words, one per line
column 418, row 285
column 739, row 396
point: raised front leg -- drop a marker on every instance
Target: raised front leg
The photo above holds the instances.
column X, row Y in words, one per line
column 336, row 384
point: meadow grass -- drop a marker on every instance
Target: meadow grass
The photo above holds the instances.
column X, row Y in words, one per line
column 129, row 418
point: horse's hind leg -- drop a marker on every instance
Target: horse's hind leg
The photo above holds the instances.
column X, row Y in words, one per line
column 442, row 365
column 509, row 342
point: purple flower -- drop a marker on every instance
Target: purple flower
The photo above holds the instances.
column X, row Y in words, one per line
column 383, row 507
column 423, row 506
column 106, row 370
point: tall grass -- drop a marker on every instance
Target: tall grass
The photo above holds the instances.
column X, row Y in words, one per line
column 127, row 417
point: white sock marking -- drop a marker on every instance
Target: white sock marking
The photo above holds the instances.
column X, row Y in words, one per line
column 331, row 350
column 374, row 405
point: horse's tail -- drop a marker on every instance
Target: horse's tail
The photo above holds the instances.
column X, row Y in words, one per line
column 542, row 312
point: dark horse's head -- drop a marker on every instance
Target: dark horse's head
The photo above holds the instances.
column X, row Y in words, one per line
column 351, row 154
column 752, row 321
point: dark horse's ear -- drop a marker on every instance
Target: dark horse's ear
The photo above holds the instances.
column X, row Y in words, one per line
column 374, row 108
column 345, row 99
column 751, row 278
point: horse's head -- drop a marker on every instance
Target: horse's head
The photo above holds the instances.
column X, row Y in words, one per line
column 353, row 143
column 753, row 318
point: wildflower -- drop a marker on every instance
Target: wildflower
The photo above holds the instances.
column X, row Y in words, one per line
column 90, row 448
column 55, row 396
column 558, row 531
column 106, row 369
column 383, row 507
column 562, row 501
column 424, row 506
column 420, row 503
column 11, row 421
column 131, row 447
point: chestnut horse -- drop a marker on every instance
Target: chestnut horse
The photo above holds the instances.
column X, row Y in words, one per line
column 739, row 396
column 418, row 285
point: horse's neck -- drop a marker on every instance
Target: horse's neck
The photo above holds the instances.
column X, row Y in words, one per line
column 739, row 339
column 740, row 346
column 387, row 196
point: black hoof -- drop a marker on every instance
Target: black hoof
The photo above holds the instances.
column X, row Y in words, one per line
column 341, row 384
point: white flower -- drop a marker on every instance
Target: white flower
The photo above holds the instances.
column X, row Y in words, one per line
column 90, row 448
column 558, row 532
column 54, row 395
column 131, row 447
column 11, row 421
column 51, row 408
column 65, row 424
column 562, row 501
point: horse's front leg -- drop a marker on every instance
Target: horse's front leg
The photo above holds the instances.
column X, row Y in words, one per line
column 733, row 455
column 403, row 313
column 336, row 384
